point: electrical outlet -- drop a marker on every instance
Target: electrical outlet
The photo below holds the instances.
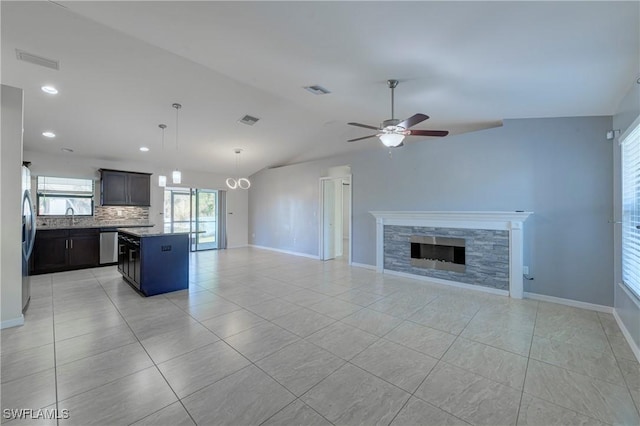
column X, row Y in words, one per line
column 525, row 270
column 119, row 212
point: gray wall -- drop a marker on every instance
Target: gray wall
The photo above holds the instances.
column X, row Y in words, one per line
column 626, row 304
column 560, row 168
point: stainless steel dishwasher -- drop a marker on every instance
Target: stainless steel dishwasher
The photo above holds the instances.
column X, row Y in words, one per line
column 108, row 246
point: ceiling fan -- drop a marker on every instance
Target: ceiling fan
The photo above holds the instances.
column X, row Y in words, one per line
column 393, row 131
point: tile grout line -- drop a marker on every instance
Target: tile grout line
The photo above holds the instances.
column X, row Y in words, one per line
column 150, row 358
column 526, row 370
column 624, row 379
column 55, row 363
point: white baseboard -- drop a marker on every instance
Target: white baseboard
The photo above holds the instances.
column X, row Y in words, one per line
column 295, row 253
column 449, row 283
column 634, row 347
column 12, row 322
column 568, row 302
column 238, row 246
column 363, row 265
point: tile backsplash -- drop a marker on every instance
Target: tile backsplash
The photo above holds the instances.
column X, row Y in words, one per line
column 102, row 215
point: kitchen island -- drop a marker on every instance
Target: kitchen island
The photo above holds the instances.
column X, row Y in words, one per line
column 152, row 260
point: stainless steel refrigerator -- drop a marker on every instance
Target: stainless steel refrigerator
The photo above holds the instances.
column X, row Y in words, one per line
column 28, row 234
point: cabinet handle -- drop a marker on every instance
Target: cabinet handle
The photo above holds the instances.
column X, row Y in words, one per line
column 66, row 244
column 72, row 244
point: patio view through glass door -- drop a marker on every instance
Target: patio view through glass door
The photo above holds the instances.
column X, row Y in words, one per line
column 204, row 219
column 195, row 211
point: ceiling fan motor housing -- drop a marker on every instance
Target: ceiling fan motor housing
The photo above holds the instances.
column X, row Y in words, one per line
column 390, row 122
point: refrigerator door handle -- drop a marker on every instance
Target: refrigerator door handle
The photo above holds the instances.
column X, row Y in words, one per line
column 32, row 225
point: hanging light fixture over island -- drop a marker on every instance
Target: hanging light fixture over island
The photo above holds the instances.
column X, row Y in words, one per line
column 176, row 175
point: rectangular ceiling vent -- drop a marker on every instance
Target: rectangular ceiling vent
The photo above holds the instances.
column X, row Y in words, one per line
column 317, row 90
column 248, row 120
column 37, row 60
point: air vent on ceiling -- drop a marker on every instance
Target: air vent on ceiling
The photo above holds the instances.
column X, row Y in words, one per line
column 37, row 60
column 248, row 120
column 316, row 90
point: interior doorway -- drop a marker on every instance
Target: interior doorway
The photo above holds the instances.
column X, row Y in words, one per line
column 335, row 217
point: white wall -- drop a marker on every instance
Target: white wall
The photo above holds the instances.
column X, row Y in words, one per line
column 10, row 208
column 627, row 305
column 72, row 165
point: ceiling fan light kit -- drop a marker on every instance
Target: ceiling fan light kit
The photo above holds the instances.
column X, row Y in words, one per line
column 393, row 131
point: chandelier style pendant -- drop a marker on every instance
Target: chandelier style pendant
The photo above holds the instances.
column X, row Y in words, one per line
column 238, row 183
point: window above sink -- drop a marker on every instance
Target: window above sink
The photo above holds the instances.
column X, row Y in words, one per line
column 57, row 195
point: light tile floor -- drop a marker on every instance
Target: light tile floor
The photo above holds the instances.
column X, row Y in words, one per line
column 268, row 338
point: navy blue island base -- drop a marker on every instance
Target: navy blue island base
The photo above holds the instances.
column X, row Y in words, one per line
column 152, row 261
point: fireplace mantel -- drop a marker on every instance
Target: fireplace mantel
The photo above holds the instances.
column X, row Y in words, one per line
column 496, row 220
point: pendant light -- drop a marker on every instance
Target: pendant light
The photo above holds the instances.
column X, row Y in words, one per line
column 240, row 183
column 162, row 179
column 176, row 176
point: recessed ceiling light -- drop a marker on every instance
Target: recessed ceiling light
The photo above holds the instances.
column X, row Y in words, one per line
column 144, row 149
column 48, row 134
column 50, row 90
column 67, row 150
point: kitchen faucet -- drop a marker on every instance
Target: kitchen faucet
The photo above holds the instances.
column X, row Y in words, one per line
column 73, row 213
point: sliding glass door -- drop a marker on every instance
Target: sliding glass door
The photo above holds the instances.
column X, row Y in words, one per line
column 195, row 211
column 177, row 210
column 204, row 219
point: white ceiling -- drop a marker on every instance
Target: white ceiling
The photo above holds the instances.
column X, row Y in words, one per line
column 468, row 65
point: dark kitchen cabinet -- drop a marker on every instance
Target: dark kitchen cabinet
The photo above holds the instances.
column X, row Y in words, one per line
column 50, row 251
column 84, row 248
column 63, row 250
column 120, row 188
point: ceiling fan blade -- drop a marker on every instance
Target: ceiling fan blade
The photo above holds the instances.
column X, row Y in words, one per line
column 364, row 137
column 429, row 133
column 366, row 126
column 413, row 120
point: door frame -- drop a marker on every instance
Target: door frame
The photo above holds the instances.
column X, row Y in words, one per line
column 321, row 182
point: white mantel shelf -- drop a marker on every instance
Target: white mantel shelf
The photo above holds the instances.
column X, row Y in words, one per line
column 498, row 220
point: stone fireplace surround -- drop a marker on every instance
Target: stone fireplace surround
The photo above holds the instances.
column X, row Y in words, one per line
column 512, row 222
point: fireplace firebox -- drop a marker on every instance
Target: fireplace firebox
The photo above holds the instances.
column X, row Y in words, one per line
column 442, row 253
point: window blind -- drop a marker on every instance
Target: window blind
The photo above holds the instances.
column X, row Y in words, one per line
column 631, row 210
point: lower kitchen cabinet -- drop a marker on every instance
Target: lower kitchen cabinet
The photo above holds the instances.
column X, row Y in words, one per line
column 58, row 250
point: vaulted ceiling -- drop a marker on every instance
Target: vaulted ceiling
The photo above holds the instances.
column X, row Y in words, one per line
column 468, row 65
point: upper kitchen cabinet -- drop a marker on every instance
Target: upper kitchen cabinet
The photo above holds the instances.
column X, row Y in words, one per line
column 119, row 188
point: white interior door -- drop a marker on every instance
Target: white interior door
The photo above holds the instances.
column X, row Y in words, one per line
column 328, row 219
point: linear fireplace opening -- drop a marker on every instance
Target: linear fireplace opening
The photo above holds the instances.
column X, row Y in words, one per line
column 442, row 253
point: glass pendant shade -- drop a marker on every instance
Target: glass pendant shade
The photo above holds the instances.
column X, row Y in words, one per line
column 176, row 176
column 162, row 181
column 391, row 140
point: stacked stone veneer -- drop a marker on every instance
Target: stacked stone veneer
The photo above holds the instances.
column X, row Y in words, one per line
column 486, row 254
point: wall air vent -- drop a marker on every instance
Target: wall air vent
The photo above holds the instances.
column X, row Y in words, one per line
column 37, row 60
column 317, row 90
column 248, row 120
